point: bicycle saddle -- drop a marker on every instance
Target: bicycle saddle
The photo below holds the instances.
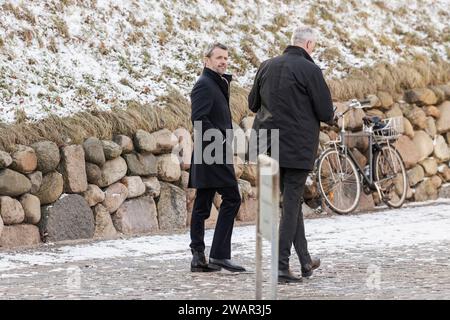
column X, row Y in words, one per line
column 371, row 119
column 375, row 120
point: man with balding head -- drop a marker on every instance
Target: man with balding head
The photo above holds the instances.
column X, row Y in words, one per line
column 290, row 94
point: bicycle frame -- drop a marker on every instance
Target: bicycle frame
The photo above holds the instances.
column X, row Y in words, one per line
column 369, row 180
column 367, row 175
column 373, row 145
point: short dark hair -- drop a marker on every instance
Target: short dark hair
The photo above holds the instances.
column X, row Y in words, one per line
column 209, row 50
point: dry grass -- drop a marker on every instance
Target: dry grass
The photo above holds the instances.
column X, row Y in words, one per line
column 61, row 27
column 136, row 37
column 237, row 62
column 445, row 36
column 82, row 92
column 163, row 37
column 431, row 33
column 133, row 21
column 21, row 12
column 227, row 6
column 398, row 30
column 402, row 11
column 386, row 41
column 281, row 20
column 101, row 124
column 80, row 126
column 331, row 53
column 281, row 42
column 168, row 21
column 9, row 7
column 125, row 64
column 343, row 35
column 443, row 13
column 175, row 110
column 125, row 82
column 390, row 78
column 278, row 22
column 103, row 49
column 21, row 116
column 174, row 113
column 412, row 39
column 245, row 28
column 190, row 23
column 239, row 103
column 341, row 8
column 147, row 59
column 247, row 48
column 353, row 3
column 363, row 15
column 326, row 15
column 311, row 17
column 90, row 4
column 26, row 36
column 360, row 46
column 52, row 46
column 381, row 5
column 66, row 3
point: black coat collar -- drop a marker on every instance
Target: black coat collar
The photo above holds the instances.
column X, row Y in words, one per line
column 214, row 75
column 222, row 81
column 298, row 51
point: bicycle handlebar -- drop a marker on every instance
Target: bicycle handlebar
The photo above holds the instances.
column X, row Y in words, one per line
column 358, row 103
column 365, row 101
column 354, row 104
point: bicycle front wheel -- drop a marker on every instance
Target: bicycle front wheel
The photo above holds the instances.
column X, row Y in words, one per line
column 390, row 175
column 339, row 182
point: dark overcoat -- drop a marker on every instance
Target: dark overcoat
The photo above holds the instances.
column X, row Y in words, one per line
column 210, row 101
column 290, row 94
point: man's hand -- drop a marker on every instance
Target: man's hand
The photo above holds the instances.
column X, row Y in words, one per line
column 335, row 119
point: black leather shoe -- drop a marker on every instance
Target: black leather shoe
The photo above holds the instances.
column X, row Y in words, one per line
column 286, row 276
column 226, row 264
column 307, row 270
column 198, row 263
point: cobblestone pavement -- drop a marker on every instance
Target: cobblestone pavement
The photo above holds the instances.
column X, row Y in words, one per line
column 395, row 254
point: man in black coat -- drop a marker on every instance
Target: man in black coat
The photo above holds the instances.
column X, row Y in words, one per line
column 212, row 166
column 291, row 95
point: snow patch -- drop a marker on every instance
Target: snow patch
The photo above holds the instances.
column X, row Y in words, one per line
column 429, row 222
column 115, row 51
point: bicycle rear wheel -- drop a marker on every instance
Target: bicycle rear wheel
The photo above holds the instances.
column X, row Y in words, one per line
column 339, row 182
column 390, row 175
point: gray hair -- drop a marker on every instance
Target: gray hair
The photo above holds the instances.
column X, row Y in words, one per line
column 303, row 34
column 209, row 50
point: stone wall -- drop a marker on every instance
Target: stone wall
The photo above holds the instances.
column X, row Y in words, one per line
column 138, row 185
column 423, row 144
column 101, row 189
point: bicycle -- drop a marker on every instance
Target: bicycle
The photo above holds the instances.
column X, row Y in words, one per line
column 340, row 176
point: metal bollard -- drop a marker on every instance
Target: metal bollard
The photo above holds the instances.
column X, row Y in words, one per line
column 268, row 182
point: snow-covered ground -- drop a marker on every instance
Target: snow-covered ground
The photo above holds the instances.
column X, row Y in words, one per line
column 426, row 223
column 64, row 57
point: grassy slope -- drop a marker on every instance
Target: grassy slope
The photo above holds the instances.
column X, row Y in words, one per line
column 61, row 58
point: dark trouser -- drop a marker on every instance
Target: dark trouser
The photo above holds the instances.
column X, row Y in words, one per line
column 231, row 202
column 292, row 230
